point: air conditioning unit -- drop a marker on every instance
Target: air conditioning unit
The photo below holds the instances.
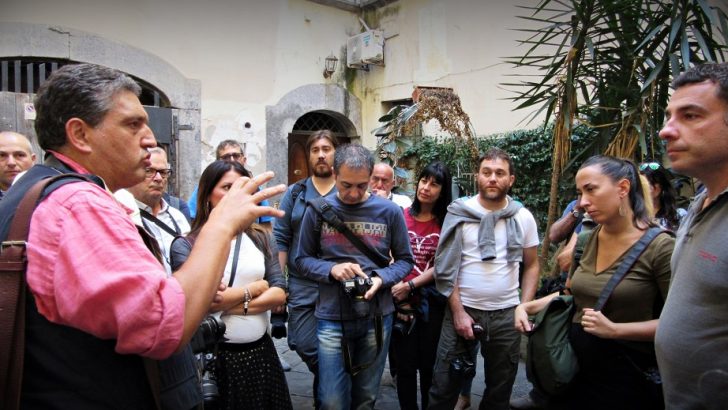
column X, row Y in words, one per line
column 365, row 48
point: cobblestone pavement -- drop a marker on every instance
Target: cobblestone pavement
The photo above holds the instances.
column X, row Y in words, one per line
column 300, row 383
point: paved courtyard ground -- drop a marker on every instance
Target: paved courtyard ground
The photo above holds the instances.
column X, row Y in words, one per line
column 300, row 383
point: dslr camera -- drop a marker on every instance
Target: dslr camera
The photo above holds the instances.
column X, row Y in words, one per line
column 463, row 365
column 355, row 289
column 210, row 332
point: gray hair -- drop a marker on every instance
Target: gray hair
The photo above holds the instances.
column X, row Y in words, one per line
column 84, row 91
column 353, row 156
column 227, row 143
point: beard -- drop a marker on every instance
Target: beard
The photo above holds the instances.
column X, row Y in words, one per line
column 322, row 170
column 496, row 195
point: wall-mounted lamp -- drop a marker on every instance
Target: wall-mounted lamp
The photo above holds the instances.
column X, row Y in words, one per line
column 330, row 65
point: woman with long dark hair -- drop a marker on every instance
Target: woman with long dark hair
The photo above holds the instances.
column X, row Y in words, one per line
column 420, row 308
column 247, row 369
column 614, row 346
column 664, row 195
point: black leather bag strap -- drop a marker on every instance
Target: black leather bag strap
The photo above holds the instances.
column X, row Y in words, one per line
column 329, row 215
column 626, row 265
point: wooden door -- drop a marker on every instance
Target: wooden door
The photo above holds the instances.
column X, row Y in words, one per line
column 297, row 158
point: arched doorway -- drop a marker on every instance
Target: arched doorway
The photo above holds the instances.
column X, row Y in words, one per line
column 330, row 101
column 306, row 125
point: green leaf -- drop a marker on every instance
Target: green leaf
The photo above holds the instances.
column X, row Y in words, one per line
column 653, row 75
column 382, row 131
column 707, row 52
column 386, row 117
column 685, row 50
column 651, row 35
column 708, row 12
column 674, row 29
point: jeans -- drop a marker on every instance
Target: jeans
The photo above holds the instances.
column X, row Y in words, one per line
column 499, row 346
column 338, row 389
column 302, row 337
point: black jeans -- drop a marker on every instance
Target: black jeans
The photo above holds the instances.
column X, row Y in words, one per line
column 416, row 353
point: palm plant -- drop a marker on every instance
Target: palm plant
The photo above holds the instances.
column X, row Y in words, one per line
column 608, row 64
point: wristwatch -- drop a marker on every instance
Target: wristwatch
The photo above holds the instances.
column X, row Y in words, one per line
column 576, row 214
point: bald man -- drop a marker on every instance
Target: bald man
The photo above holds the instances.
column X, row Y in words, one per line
column 16, row 155
column 381, row 183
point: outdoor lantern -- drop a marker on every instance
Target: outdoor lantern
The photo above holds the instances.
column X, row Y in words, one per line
column 330, row 65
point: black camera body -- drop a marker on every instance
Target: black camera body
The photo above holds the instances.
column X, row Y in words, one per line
column 355, row 289
column 278, row 324
column 404, row 328
column 463, row 365
column 210, row 332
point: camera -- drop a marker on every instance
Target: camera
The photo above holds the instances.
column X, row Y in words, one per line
column 210, row 332
column 463, row 365
column 404, row 327
column 356, row 288
column 208, row 384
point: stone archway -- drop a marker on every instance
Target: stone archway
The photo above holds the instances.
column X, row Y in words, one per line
column 45, row 41
column 280, row 118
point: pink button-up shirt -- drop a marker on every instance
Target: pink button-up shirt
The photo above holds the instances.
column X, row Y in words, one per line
column 89, row 269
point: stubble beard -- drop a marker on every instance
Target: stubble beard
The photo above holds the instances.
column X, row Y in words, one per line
column 493, row 197
column 321, row 172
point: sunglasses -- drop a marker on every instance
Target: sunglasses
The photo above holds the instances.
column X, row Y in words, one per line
column 233, row 156
column 651, row 165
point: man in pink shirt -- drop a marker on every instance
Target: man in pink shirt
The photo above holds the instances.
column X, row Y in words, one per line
column 98, row 300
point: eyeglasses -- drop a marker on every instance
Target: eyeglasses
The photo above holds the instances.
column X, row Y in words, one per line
column 151, row 172
column 651, row 165
column 233, row 156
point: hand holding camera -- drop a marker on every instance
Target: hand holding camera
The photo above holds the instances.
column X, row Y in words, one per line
column 347, row 270
column 357, row 289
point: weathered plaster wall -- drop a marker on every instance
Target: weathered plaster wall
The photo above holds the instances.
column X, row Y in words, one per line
column 248, row 55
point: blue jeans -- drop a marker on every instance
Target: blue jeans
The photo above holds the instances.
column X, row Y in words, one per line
column 338, row 389
column 302, row 337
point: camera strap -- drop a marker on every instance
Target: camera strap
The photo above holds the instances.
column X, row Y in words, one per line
column 146, row 215
column 236, row 254
column 349, row 366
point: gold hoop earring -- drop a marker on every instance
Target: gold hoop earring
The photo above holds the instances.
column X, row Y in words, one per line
column 621, row 209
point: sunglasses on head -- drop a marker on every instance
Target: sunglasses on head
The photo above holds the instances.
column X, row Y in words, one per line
column 651, row 165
